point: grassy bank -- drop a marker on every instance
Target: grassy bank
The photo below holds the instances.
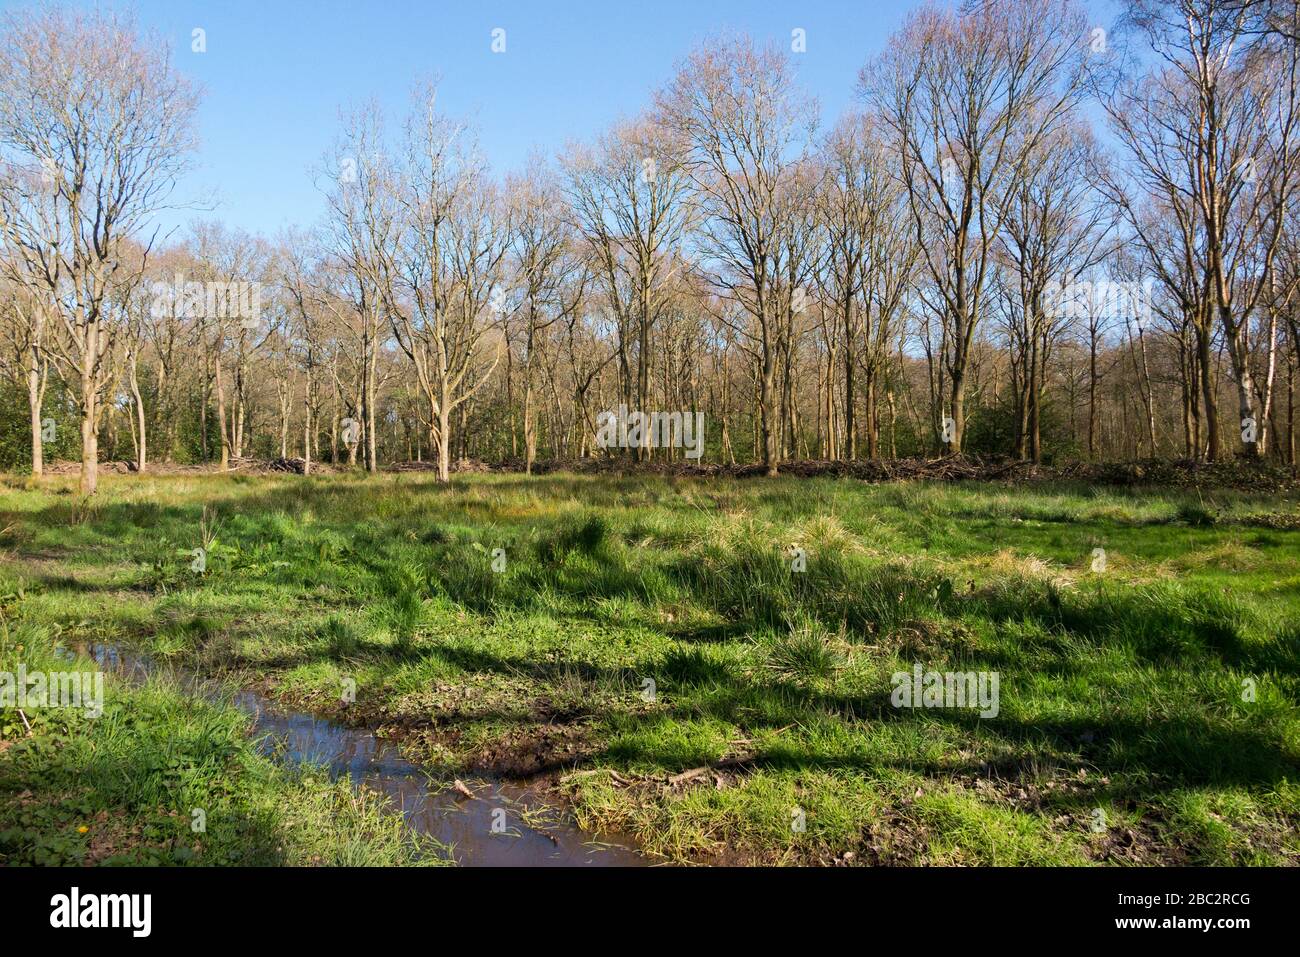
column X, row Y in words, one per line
column 158, row 777
column 704, row 663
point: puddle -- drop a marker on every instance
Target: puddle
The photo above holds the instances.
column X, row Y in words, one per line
column 488, row 830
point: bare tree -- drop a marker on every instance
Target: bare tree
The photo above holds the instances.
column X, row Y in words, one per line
column 747, row 130
column 439, row 278
column 1052, row 234
column 968, row 96
column 540, row 242
column 26, row 322
column 1211, row 132
column 364, row 224
column 98, row 124
column 628, row 199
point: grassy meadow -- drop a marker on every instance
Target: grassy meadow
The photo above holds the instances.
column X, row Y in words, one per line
column 704, row 665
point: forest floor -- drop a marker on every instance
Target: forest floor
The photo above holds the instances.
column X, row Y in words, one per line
column 705, row 664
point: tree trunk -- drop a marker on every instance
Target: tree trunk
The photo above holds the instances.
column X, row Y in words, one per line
column 35, row 401
column 768, row 413
column 142, row 457
column 1092, row 396
column 444, row 445
column 958, row 380
column 89, row 436
column 1211, row 405
column 850, row 426
column 221, row 418
column 306, row 431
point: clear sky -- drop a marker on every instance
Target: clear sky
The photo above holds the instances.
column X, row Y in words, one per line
column 276, row 72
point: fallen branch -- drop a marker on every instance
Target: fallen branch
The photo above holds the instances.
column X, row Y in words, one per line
column 693, row 773
column 614, row 775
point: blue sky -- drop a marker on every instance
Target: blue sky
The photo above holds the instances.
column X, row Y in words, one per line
column 275, row 74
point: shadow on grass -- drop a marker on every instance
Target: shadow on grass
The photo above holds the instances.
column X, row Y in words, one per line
column 579, row 560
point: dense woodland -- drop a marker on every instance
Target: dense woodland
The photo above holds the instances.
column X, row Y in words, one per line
column 1034, row 236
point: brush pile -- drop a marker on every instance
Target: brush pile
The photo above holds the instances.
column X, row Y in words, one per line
column 1238, row 474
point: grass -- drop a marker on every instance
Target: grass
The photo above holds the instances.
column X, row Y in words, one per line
column 714, row 657
column 161, row 778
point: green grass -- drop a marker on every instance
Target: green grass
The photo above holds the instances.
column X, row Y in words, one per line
column 160, row 778
column 638, row 628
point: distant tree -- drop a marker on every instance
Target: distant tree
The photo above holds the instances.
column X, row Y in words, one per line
column 748, row 130
column 968, row 96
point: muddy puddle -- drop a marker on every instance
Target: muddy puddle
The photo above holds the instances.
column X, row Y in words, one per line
column 504, row 824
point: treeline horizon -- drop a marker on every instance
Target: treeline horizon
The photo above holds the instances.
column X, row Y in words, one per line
column 1033, row 236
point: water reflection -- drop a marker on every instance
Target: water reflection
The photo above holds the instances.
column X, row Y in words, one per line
column 489, row 829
